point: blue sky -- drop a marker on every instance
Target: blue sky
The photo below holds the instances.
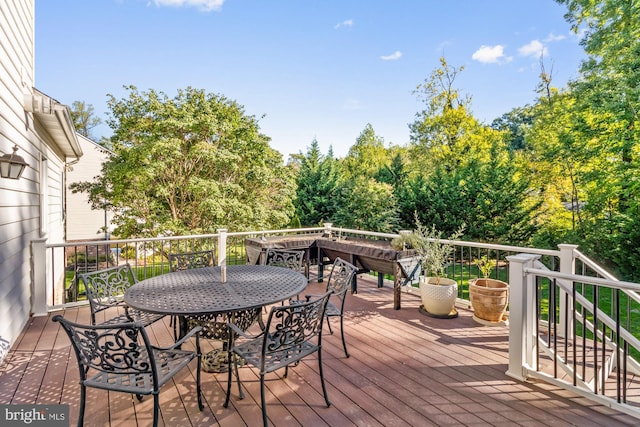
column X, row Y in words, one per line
column 305, row 68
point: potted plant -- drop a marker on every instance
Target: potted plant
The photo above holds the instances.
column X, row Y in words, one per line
column 489, row 297
column 438, row 293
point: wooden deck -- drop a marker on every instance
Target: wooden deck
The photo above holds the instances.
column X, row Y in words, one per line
column 405, row 369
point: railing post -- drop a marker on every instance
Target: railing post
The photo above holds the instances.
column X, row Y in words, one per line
column 522, row 315
column 222, row 246
column 327, row 229
column 40, row 289
column 567, row 266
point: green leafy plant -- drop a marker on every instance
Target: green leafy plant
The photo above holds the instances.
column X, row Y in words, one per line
column 485, row 265
column 406, row 241
column 434, row 253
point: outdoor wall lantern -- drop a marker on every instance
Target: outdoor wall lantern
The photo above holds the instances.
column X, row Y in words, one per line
column 12, row 165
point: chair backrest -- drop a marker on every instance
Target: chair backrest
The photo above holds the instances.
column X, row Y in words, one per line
column 285, row 258
column 189, row 260
column 105, row 288
column 341, row 277
column 116, row 349
column 290, row 327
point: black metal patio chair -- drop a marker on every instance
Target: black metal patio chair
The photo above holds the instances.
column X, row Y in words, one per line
column 286, row 258
column 340, row 279
column 292, row 332
column 119, row 357
column 187, row 260
column 105, row 290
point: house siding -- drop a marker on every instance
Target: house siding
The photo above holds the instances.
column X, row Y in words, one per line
column 30, row 207
column 83, row 222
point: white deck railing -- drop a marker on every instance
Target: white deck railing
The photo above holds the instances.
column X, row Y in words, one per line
column 566, row 275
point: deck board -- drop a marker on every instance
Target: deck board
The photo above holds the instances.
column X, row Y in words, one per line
column 405, row 369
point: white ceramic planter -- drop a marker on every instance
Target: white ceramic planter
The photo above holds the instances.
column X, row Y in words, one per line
column 438, row 300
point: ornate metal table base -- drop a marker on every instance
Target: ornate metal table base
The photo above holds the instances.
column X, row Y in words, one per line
column 216, row 361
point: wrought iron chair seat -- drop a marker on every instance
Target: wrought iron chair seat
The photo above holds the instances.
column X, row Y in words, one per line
column 133, row 315
column 292, row 332
column 119, row 357
column 251, row 352
column 105, row 290
column 168, row 363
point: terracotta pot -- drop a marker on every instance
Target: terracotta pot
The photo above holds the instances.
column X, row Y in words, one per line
column 489, row 298
column 440, row 299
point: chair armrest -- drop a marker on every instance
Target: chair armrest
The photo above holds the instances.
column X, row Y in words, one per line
column 308, row 297
column 239, row 332
column 181, row 341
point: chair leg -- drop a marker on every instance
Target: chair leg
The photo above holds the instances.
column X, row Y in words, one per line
column 344, row 342
column 229, row 381
column 198, row 378
column 156, row 408
column 263, row 401
column 83, row 398
column 324, row 387
column 329, row 325
column 235, row 367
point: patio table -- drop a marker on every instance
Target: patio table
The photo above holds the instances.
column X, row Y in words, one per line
column 202, row 291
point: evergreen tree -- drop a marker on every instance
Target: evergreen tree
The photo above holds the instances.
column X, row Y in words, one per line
column 316, row 186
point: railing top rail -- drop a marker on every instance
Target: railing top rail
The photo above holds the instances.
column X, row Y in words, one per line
column 506, row 248
column 616, row 284
column 182, row 237
column 124, row 241
column 285, row 230
column 592, row 265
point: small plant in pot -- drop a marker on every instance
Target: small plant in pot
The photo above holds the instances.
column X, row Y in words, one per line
column 489, row 297
column 438, row 293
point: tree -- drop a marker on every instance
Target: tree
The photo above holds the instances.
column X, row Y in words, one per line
column 515, row 122
column 463, row 172
column 83, row 118
column 189, row 165
column 367, row 156
column 439, row 124
column 365, row 204
column 604, row 128
column 316, row 186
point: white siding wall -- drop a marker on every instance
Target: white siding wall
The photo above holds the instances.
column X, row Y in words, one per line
column 84, row 223
column 21, row 201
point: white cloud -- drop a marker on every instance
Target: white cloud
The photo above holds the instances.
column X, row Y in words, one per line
column 393, row 57
column 554, row 38
column 345, row 23
column 490, row 54
column 206, row 5
column 534, row 48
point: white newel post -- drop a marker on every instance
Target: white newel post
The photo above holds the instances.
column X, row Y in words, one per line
column 522, row 315
column 40, row 292
column 327, row 229
column 222, row 253
column 567, row 266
